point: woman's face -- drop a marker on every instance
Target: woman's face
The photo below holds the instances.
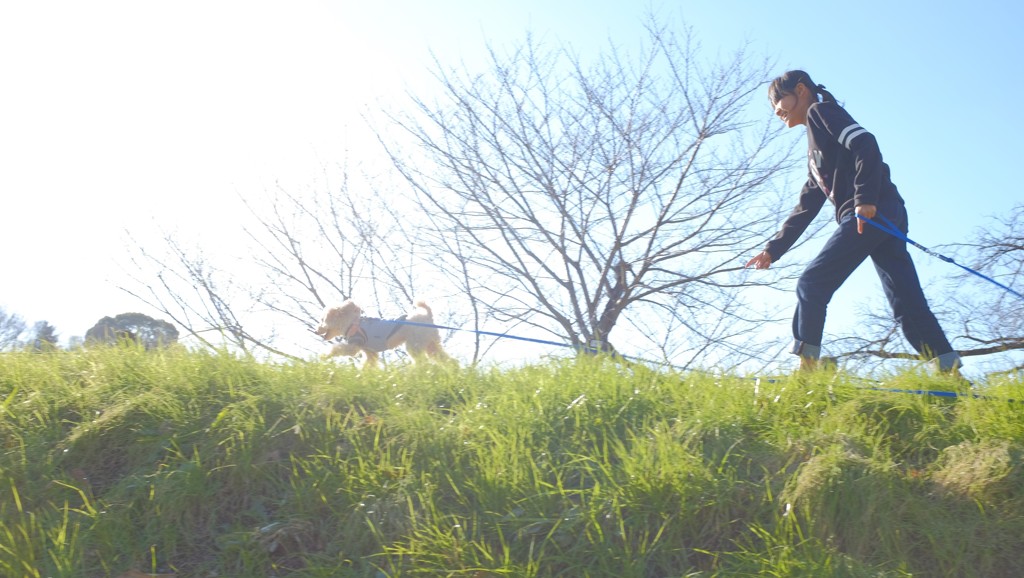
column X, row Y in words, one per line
column 792, row 107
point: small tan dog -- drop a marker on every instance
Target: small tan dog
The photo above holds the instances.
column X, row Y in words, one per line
column 371, row 335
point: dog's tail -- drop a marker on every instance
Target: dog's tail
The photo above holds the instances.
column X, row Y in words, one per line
column 423, row 305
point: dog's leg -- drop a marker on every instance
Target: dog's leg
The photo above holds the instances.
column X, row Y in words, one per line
column 371, row 359
column 429, row 350
column 344, row 349
column 437, row 353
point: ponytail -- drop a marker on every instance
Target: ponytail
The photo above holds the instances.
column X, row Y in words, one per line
column 786, row 84
column 826, row 96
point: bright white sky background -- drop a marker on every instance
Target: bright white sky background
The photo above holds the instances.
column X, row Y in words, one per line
column 149, row 115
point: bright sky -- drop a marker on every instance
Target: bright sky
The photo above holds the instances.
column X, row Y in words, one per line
column 146, row 115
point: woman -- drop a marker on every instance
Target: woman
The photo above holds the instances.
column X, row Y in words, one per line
column 845, row 167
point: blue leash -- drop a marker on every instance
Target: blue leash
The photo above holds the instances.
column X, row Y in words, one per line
column 890, row 228
column 593, row 350
column 584, row 348
column 505, row 335
column 925, row 392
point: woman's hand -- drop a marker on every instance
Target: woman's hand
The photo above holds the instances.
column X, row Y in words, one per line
column 761, row 261
column 866, row 211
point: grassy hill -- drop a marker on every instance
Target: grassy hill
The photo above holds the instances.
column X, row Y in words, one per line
column 208, row 465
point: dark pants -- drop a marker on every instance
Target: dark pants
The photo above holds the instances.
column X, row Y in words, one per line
column 843, row 253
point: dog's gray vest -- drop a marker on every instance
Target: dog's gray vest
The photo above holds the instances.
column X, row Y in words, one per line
column 373, row 333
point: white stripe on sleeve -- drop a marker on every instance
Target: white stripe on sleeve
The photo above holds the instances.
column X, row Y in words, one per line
column 849, row 133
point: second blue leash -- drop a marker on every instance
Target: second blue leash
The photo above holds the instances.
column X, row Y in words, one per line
column 890, row 228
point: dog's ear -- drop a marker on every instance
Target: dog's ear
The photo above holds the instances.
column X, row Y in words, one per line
column 349, row 306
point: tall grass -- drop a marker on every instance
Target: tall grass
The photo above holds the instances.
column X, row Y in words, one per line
column 206, row 464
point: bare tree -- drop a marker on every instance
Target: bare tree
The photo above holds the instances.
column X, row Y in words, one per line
column 195, row 294
column 991, row 320
column 299, row 254
column 578, row 192
column 550, row 195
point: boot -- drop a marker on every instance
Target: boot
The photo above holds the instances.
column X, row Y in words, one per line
column 810, row 364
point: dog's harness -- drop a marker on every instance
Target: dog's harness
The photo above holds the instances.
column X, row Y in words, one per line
column 372, row 333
